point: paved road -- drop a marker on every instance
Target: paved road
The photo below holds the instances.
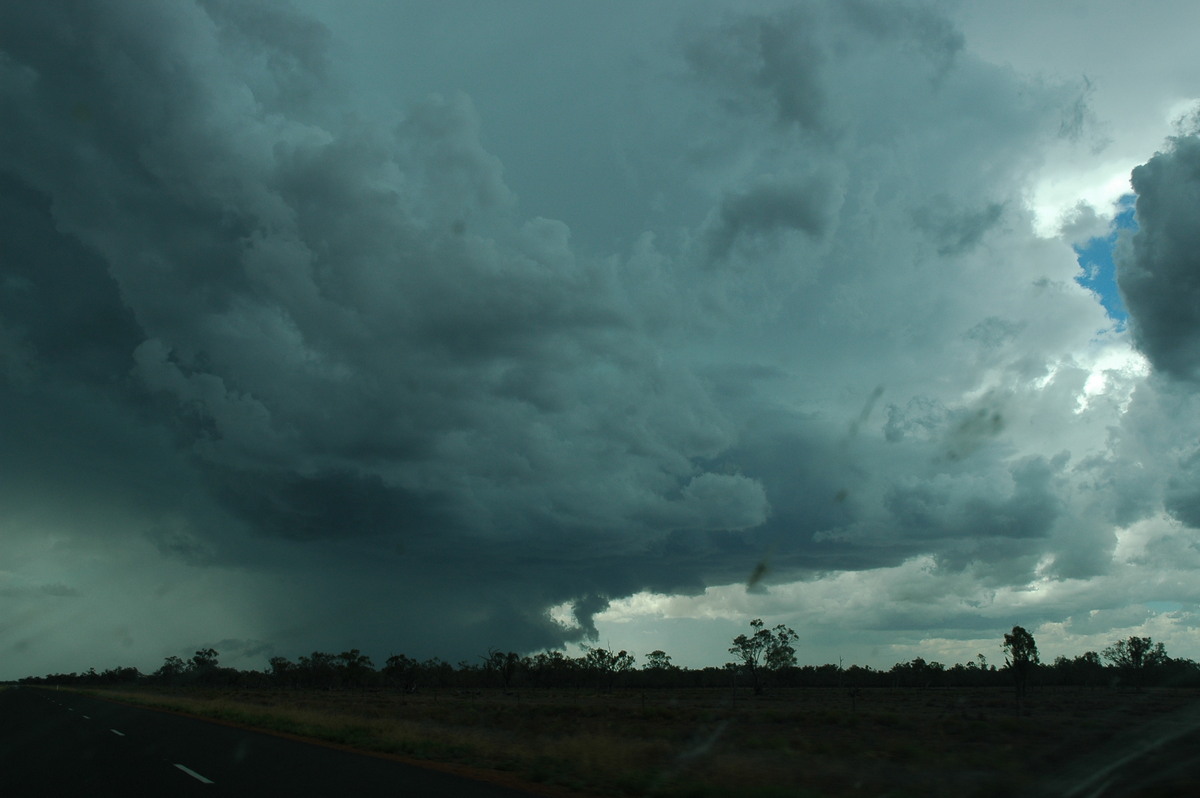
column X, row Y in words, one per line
column 63, row 744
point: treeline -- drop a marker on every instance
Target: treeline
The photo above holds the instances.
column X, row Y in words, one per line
column 1132, row 663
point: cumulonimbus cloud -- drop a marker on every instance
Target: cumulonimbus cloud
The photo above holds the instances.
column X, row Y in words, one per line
column 360, row 364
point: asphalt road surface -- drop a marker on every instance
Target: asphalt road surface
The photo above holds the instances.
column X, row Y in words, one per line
column 59, row 743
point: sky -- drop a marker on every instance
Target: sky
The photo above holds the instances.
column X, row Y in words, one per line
column 435, row 328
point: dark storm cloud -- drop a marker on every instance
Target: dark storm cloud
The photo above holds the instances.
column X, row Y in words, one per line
column 1158, row 270
column 776, row 65
column 767, row 209
column 58, row 305
column 1029, row 510
column 343, row 327
column 957, row 231
column 919, row 26
column 329, row 352
column 1181, row 494
column 58, row 591
column 331, row 504
column 778, row 57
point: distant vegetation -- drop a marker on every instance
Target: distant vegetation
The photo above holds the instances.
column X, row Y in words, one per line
column 761, row 726
column 764, row 659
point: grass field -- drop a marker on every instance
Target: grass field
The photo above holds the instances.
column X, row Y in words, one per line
column 817, row 742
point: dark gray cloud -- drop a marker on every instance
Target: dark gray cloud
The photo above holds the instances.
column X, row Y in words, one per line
column 778, row 57
column 1158, row 270
column 919, row 26
column 59, row 307
column 57, row 590
column 955, row 231
column 333, row 504
column 749, row 217
column 1180, row 485
column 344, row 330
column 318, row 380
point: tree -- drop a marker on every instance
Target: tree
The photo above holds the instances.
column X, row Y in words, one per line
column 401, row 671
column 554, row 669
column 355, row 667
column 1136, row 656
column 121, row 675
column 606, row 665
column 318, row 670
column 283, row 671
column 172, row 669
column 765, row 649
column 1021, row 656
column 205, row 669
column 659, row 670
column 205, row 659
column 502, row 665
column 918, row 673
column 1089, row 667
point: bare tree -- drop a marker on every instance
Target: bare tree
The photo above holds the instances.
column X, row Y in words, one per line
column 503, row 665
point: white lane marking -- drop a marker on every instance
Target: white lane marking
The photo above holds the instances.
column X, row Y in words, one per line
column 119, row 734
column 85, row 717
column 193, row 774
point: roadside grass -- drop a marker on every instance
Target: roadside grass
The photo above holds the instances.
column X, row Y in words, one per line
column 683, row 743
column 472, row 734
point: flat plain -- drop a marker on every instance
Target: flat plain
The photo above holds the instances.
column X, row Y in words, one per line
column 788, row 742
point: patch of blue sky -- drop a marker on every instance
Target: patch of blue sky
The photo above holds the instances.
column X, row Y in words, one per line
column 1099, row 271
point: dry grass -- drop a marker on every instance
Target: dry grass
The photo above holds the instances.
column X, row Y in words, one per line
column 702, row 743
